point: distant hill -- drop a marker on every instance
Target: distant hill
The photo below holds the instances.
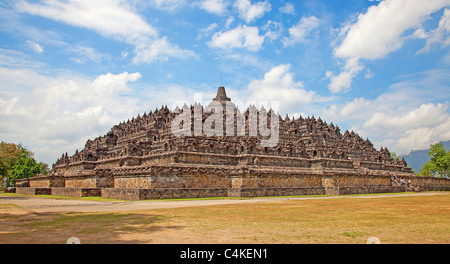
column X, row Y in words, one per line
column 417, row 158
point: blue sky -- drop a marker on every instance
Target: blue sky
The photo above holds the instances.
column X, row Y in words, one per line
column 70, row 70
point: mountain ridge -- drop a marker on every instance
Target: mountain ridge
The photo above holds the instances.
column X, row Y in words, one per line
column 416, row 158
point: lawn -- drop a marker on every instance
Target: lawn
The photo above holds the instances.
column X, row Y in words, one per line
column 405, row 220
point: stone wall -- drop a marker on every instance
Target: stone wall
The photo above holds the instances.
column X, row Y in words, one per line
column 278, row 181
column 76, row 192
column 89, row 181
column 204, row 158
column 361, row 180
column 133, row 182
column 171, row 177
column 190, row 181
column 121, row 193
column 33, row 191
column 162, row 193
column 46, row 181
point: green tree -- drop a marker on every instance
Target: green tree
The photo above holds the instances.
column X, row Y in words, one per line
column 428, row 170
column 17, row 162
column 439, row 162
column 9, row 155
column 395, row 156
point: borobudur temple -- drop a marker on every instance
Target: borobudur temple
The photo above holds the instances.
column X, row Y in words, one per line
column 144, row 158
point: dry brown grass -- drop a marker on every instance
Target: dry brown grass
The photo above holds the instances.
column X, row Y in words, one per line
column 406, row 220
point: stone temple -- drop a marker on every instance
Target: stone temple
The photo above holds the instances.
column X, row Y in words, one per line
column 144, row 159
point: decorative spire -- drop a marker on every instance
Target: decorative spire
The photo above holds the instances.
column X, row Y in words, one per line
column 221, row 95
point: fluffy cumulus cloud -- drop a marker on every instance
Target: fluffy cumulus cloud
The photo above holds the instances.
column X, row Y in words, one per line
column 404, row 118
column 416, row 128
column 427, row 115
column 343, row 81
column 279, row 85
column 420, row 127
column 288, row 8
column 249, row 11
column 160, row 50
column 300, row 31
column 112, row 19
column 378, row 32
column 56, row 114
column 217, row 7
column 240, row 37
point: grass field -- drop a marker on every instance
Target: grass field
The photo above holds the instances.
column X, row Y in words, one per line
column 405, row 220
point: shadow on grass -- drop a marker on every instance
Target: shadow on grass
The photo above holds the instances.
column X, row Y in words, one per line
column 20, row 226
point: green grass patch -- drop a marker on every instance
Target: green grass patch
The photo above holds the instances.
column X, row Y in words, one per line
column 11, row 194
column 8, row 206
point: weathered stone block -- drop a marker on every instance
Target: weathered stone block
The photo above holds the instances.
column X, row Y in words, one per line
column 33, row 191
column 77, row 192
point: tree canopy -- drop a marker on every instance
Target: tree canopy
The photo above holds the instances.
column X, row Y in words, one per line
column 17, row 162
column 439, row 164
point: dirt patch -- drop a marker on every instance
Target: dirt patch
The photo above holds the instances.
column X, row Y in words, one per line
column 350, row 219
column 48, row 204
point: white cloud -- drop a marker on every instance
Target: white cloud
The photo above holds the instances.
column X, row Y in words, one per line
column 416, row 129
column 204, row 32
column 112, row 19
column 273, row 30
column 423, row 137
column 229, row 21
column 343, row 81
column 168, row 5
column 51, row 115
column 17, row 59
column 440, row 35
column 217, row 7
column 77, row 60
column 379, row 31
column 403, row 117
column 239, row 37
column 288, row 8
column 34, row 46
column 300, row 31
column 402, row 130
column 250, row 12
column 123, row 54
column 84, row 52
column 159, row 50
column 420, row 34
column 279, row 85
column 369, row 74
column 427, row 115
